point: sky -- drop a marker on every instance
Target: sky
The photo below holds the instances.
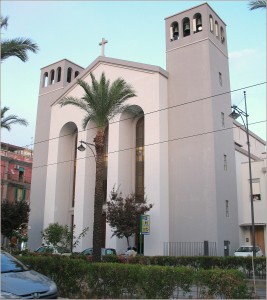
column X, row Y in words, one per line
column 135, row 31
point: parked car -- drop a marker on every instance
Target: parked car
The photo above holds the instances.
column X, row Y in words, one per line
column 18, row 281
column 104, row 251
column 246, row 250
column 53, row 250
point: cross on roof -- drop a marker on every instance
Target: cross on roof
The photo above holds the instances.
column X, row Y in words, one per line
column 102, row 44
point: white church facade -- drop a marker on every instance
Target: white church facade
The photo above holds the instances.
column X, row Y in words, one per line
column 180, row 150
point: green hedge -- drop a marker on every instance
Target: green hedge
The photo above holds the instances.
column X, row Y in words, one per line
column 77, row 278
column 243, row 264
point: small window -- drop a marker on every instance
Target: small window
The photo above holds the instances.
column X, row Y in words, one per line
column 52, row 76
column 20, row 194
column 211, row 24
column 220, row 78
column 197, row 23
column 225, row 162
column 58, row 74
column 76, row 74
column 222, row 35
column 186, row 27
column 227, row 208
column 174, row 31
column 216, row 29
column 222, row 119
column 256, row 189
column 45, row 79
column 69, row 72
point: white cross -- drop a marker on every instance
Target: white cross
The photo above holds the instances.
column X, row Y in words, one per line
column 102, row 43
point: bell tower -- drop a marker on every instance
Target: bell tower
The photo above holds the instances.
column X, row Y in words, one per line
column 55, row 79
column 201, row 150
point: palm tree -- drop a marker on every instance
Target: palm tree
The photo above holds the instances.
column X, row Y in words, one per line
column 101, row 102
column 6, row 122
column 257, row 4
column 16, row 47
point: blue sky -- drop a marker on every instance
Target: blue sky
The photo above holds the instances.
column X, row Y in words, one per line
column 135, row 31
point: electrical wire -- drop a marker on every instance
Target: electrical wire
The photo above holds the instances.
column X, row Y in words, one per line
column 155, row 111
column 152, row 144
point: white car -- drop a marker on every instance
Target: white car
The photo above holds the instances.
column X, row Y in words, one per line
column 246, row 250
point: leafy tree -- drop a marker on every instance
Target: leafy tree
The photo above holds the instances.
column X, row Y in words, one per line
column 101, row 102
column 123, row 214
column 17, row 47
column 14, row 216
column 7, row 121
column 257, row 4
column 61, row 236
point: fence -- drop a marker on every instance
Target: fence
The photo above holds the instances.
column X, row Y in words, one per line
column 190, row 248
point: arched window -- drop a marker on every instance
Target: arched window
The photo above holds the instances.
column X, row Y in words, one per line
column 211, row 23
column 58, row 74
column 45, row 79
column 76, row 74
column 222, row 35
column 139, row 158
column 174, row 31
column 197, row 23
column 52, row 76
column 186, row 27
column 216, row 29
column 69, row 72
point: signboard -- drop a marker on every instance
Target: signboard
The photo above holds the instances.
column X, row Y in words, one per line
column 145, row 224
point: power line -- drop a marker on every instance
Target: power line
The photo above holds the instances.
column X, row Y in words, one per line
column 155, row 111
column 152, row 144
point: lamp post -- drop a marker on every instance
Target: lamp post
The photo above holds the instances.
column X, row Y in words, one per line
column 237, row 112
column 82, row 148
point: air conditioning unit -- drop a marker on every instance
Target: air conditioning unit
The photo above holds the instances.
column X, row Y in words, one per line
column 264, row 170
column 16, row 167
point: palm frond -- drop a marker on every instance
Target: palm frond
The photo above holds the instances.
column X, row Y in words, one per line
column 17, row 47
column 4, row 22
column 6, row 122
column 257, row 4
column 3, row 111
column 101, row 101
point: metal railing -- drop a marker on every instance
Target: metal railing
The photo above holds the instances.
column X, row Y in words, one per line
column 16, row 178
column 190, row 248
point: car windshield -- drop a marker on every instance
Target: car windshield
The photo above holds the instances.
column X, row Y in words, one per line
column 44, row 250
column 10, row 264
column 108, row 252
column 244, row 249
column 88, row 251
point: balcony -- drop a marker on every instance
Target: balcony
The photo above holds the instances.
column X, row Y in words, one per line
column 16, row 178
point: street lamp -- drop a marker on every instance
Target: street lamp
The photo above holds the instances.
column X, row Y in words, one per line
column 237, row 112
column 82, row 148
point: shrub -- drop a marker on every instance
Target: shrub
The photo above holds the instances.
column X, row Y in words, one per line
column 78, row 278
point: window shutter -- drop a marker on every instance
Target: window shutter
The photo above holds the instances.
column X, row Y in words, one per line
column 16, row 194
column 23, row 194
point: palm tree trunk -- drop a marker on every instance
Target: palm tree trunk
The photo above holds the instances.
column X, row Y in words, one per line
column 99, row 195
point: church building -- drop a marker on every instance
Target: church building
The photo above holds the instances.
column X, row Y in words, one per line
column 180, row 149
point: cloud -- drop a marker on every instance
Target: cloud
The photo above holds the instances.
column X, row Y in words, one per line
column 243, row 54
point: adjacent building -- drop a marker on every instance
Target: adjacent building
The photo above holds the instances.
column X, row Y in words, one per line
column 16, row 172
column 258, row 168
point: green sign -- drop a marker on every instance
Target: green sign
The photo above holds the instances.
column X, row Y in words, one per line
column 145, row 224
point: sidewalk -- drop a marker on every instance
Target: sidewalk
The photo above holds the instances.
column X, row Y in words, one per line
column 260, row 287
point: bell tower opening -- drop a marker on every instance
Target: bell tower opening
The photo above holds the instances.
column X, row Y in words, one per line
column 186, row 27
column 197, row 23
column 174, row 31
